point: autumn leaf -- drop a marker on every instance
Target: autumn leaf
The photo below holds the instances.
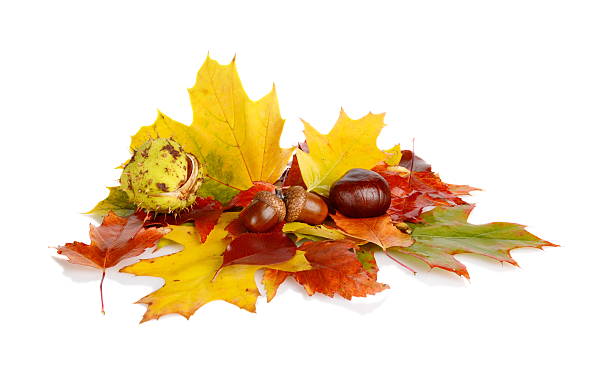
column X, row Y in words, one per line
column 365, row 255
column 377, row 230
column 205, row 213
column 117, row 202
column 293, row 177
column 236, row 139
column 350, row 144
column 415, row 164
column 445, row 232
column 335, row 270
column 244, row 198
column 117, row 238
column 259, row 249
column 272, row 279
column 312, row 232
column 461, row 190
column 412, row 192
column 188, row 274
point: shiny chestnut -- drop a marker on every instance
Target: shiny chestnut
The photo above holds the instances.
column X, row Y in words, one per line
column 361, row 193
column 263, row 213
column 303, row 206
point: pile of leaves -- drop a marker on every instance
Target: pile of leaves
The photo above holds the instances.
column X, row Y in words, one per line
column 237, row 140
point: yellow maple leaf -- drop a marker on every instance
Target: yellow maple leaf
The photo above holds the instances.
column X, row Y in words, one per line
column 350, row 144
column 188, row 274
column 313, row 232
column 235, row 138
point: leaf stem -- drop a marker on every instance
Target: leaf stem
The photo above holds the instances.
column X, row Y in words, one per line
column 101, row 295
column 401, row 263
column 411, row 164
column 222, row 183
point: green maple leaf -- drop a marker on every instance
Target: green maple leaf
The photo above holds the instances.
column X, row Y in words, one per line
column 445, row 232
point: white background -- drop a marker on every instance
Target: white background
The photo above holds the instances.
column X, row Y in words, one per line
column 510, row 96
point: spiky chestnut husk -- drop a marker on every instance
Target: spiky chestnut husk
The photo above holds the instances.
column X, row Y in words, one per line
column 161, row 177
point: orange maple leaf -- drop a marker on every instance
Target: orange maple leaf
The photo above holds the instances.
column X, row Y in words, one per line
column 335, row 270
column 377, row 230
column 117, row 238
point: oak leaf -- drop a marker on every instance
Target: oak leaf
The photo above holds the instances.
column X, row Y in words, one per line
column 336, row 269
column 378, row 230
column 188, row 274
column 445, row 232
column 117, row 238
column 236, row 139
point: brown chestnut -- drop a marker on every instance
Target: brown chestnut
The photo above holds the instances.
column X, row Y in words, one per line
column 303, row 206
column 361, row 193
column 263, row 213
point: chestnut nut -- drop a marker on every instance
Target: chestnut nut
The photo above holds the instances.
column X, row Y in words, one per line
column 361, row 193
column 303, row 206
column 264, row 212
column 267, row 209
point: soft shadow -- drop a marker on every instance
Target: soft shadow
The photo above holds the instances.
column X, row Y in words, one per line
column 441, row 277
column 470, row 259
column 77, row 273
column 425, row 274
column 81, row 273
column 357, row 305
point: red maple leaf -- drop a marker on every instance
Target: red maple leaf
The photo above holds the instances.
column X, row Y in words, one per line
column 335, row 270
column 293, row 177
column 245, row 197
column 117, row 238
column 204, row 213
column 258, row 249
column 414, row 192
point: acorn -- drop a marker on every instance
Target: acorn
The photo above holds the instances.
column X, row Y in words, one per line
column 361, row 193
column 303, row 206
column 263, row 213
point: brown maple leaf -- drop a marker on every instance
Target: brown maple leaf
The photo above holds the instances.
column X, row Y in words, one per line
column 377, row 230
column 336, row 269
column 117, row 238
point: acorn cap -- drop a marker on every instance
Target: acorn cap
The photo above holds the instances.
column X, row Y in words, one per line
column 273, row 201
column 295, row 196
